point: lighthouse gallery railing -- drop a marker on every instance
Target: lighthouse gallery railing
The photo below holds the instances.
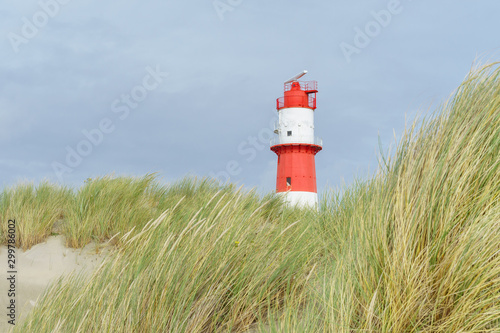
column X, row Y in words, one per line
column 277, row 141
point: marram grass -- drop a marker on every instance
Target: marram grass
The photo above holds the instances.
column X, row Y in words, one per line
column 220, row 270
column 105, row 206
column 35, row 209
column 414, row 249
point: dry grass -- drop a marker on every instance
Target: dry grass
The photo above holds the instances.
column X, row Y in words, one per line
column 105, row 206
column 35, row 209
column 417, row 247
column 225, row 267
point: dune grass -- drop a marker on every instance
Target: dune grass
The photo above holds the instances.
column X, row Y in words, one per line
column 105, row 206
column 416, row 249
column 35, row 209
column 224, row 267
column 413, row 249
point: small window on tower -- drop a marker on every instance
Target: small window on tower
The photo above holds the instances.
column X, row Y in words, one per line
column 288, row 181
column 289, row 133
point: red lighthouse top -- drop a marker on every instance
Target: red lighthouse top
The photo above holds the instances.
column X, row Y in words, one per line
column 301, row 94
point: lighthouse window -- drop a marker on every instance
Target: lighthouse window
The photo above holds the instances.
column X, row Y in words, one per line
column 288, row 181
column 289, row 133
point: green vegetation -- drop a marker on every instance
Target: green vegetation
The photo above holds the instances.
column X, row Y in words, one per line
column 221, row 268
column 106, row 206
column 35, row 208
column 414, row 249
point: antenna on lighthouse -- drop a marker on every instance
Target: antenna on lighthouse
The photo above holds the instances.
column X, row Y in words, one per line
column 296, row 77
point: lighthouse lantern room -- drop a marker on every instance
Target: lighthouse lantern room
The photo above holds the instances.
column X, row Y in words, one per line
column 296, row 145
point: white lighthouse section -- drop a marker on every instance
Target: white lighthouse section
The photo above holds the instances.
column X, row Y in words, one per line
column 296, row 125
column 301, row 199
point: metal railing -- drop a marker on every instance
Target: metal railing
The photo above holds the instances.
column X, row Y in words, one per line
column 312, row 101
column 280, row 102
column 304, row 85
column 277, row 141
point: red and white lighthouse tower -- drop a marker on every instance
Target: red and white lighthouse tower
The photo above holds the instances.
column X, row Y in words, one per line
column 296, row 145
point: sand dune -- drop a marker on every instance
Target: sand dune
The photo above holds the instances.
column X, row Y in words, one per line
column 38, row 267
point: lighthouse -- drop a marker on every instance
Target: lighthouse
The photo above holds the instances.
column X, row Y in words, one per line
column 295, row 144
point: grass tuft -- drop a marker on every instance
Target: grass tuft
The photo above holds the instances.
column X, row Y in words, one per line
column 35, row 210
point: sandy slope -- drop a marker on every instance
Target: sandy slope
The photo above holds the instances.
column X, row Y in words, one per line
column 37, row 268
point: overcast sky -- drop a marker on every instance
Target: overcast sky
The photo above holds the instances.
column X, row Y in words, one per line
column 88, row 88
